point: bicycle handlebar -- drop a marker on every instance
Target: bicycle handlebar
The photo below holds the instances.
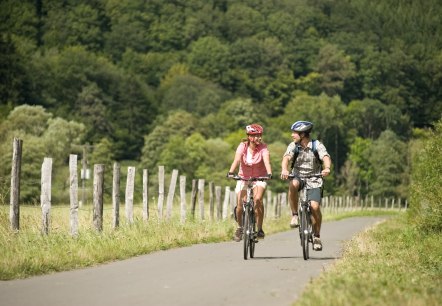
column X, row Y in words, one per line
column 250, row 179
column 292, row 176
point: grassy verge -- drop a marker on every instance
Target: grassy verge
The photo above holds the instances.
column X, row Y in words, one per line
column 29, row 253
column 392, row 264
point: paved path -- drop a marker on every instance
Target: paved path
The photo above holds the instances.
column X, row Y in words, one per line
column 206, row 274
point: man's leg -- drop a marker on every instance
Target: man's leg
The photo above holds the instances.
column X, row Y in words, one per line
column 317, row 221
column 293, row 200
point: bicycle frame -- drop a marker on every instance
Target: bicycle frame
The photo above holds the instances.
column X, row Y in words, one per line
column 305, row 217
column 248, row 216
column 305, row 224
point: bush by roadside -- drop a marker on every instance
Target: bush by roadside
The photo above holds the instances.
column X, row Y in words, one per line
column 391, row 264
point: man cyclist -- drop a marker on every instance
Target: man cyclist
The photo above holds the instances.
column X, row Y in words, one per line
column 306, row 164
column 253, row 159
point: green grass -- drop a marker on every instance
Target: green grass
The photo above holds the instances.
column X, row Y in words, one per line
column 29, row 253
column 391, row 264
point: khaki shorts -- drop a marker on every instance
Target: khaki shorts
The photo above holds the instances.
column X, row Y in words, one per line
column 241, row 185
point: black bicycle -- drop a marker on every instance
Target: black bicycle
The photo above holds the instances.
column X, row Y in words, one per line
column 305, row 216
column 248, row 216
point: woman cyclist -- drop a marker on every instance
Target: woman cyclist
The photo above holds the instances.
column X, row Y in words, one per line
column 253, row 159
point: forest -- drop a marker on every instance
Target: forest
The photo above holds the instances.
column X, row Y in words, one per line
column 175, row 82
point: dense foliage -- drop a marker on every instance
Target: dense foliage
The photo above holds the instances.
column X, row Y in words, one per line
column 175, row 82
column 426, row 187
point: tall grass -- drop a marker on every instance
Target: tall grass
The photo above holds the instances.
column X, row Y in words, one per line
column 30, row 253
column 392, row 264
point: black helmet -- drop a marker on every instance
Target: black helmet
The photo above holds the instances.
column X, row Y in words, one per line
column 302, row 126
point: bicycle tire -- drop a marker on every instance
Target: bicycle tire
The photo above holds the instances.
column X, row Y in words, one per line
column 304, row 230
column 246, row 231
column 309, row 233
column 252, row 234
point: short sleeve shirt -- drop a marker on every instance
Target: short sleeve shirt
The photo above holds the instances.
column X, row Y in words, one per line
column 306, row 163
column 255, row 165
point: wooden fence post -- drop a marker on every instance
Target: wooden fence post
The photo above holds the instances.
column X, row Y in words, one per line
column 201, row 197
column 193, row 197
column 73, row 194
column 183, row 198
column 116, row 196
column 160, row 192
column 98, row 197
column 226, row 202
column 129, row 199
column 211, row 201
column 145, row 195
column 45, row 197
column 219, row 208
column 14, row 209
column 171, row 193
column 268, row 202
column 232, row 201
column 275, row 206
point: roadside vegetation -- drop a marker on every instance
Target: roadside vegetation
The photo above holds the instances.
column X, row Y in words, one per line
column 29, row 253
column 398, row 262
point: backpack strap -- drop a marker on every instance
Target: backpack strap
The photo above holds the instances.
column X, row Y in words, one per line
column 296, row 152
column 315, row 151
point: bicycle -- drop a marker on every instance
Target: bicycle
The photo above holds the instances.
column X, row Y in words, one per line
column 305, row 216
column 248, row 216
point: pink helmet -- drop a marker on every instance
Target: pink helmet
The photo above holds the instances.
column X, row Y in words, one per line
column 254, row 129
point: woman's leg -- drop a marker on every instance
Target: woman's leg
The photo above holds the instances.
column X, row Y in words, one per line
column 259, row 207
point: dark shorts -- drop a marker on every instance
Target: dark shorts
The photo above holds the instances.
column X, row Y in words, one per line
column 314, row 194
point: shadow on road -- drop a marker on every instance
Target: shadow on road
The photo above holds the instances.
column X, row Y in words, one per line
column 294, row 257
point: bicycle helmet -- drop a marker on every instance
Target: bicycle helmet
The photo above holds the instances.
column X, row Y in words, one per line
column 254, row 129
column 302, row 126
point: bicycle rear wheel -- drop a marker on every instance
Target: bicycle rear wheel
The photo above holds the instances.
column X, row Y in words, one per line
column 304, row 233
column 252, row 234
column 246, row 231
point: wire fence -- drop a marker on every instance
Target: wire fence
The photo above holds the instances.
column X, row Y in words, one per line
column 204, row 201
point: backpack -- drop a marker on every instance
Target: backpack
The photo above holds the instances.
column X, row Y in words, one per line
column 314, row 150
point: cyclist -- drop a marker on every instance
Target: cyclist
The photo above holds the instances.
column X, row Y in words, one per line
column 253, row 159
column 306, row 164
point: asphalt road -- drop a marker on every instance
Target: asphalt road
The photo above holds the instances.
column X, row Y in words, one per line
column 205, row 274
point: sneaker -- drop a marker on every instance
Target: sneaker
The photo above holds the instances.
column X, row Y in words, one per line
column 261, row 234
column 238, row 234
column 294, row 222
column 317, row 244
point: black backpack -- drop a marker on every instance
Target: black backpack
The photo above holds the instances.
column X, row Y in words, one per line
column 314, row 150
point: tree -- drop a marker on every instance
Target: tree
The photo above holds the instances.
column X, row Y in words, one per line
column 388, row 160
column 193, row 94
column 370, row 117
column 14, row 87
column 334, row 68
column 208, row 58
column 179, row 123
column 66, row 25
column 359, row 167
column 43, row 136
column 242, row 21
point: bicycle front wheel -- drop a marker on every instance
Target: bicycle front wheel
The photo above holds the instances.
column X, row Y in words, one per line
column 252, row 235
column 304, row 233
column 246, row 232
